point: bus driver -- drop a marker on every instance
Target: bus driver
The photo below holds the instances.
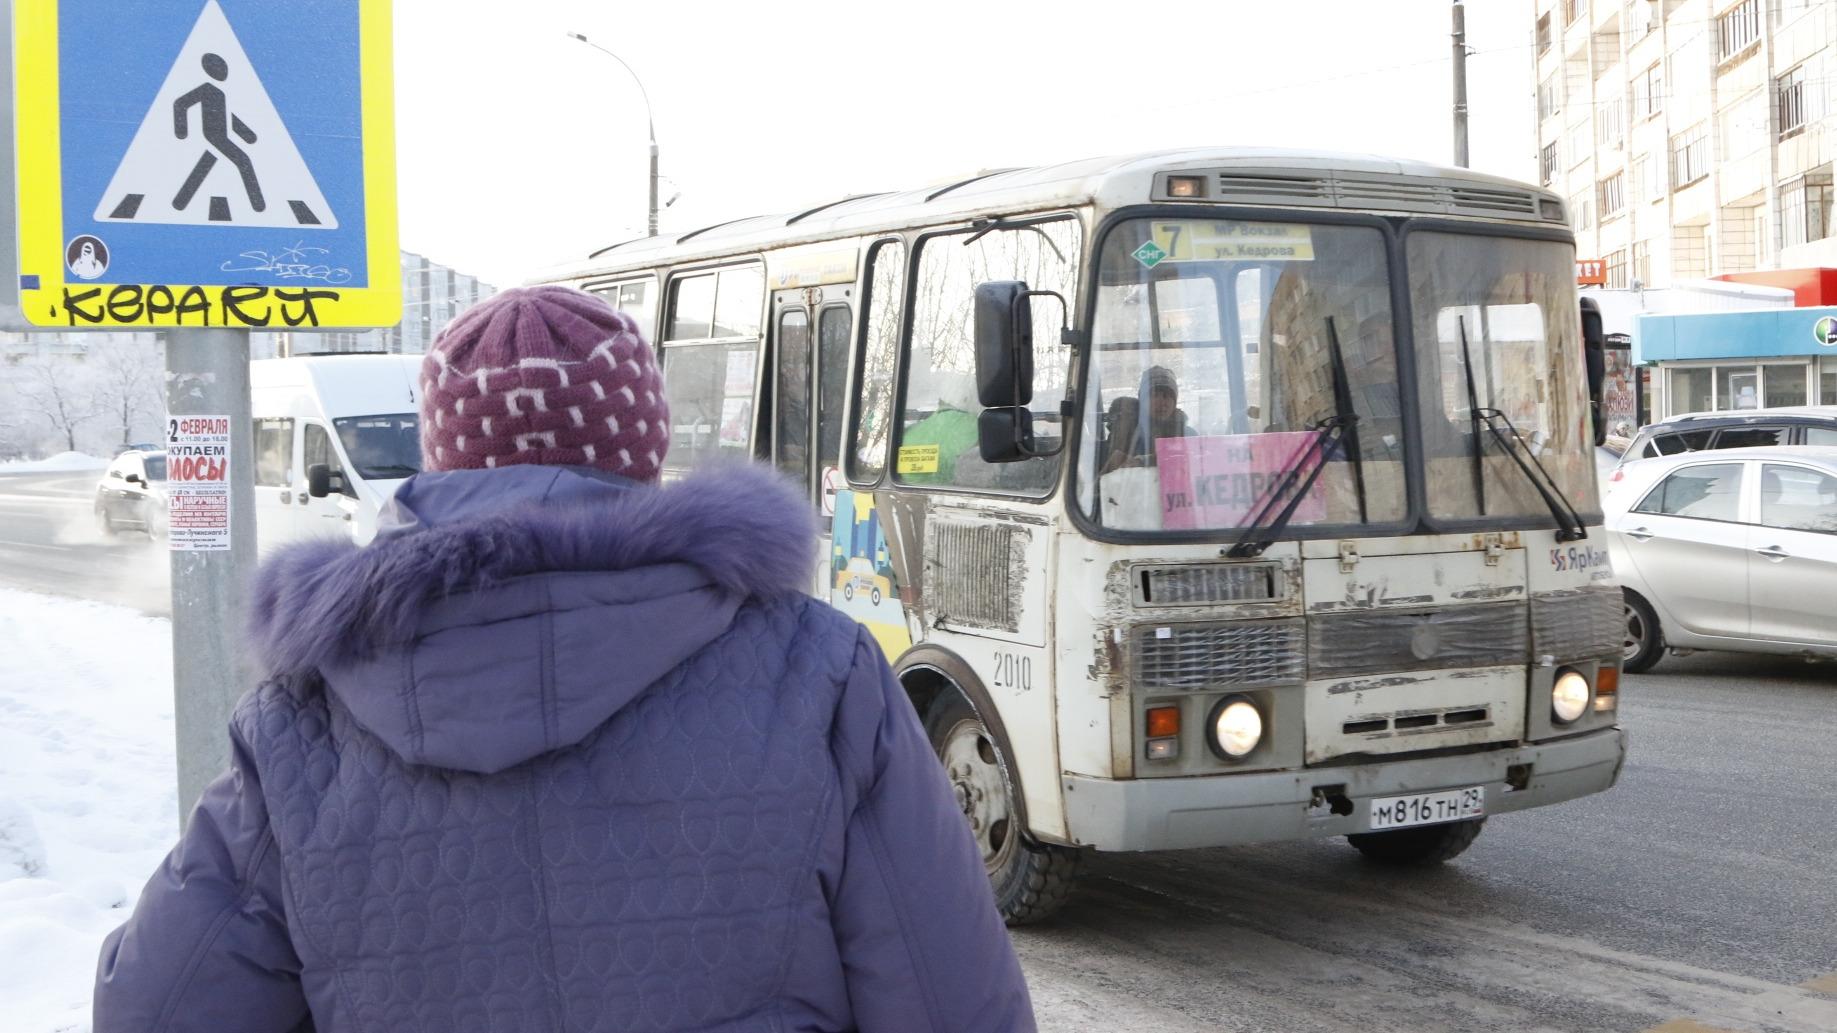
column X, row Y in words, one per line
column 1135, row 427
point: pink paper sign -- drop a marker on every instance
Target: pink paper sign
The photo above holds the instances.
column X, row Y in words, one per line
column 1220, row 481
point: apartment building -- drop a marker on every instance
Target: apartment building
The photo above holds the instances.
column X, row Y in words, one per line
column 1692, row 138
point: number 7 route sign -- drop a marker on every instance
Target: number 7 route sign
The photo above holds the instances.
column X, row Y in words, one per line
column 206, row 163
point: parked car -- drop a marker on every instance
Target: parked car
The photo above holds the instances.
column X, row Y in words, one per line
column 1745, row 428
column 132, row 494
column 1732, row 550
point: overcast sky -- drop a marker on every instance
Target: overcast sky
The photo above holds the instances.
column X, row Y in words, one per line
column 519, row 148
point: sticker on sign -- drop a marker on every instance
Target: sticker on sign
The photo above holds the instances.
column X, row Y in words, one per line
column 198, row 483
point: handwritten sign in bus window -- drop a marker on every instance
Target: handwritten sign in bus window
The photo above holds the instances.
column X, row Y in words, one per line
column 1211, row 240
column 1221, row 481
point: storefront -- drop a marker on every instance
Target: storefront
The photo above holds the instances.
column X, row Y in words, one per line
column 1737, row 360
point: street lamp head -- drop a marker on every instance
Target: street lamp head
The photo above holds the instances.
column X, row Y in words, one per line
column 578, row 36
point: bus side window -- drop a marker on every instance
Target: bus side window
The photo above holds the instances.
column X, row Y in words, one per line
column 710, row 356
column 937, row 442
column 791, row 395
column 873, row 409
column 634, row 298
column 832, row 377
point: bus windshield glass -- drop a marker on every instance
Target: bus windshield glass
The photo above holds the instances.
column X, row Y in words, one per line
column 1498, row 335
column 1235, row 366
column 382, row 448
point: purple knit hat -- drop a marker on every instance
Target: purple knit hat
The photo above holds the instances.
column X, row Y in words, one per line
column 546, row 375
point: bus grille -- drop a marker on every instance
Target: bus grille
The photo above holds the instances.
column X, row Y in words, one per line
column 1580, row 623
column 1200, row 584
column 970, row 578
column 1385, row 640
column 1197, row 656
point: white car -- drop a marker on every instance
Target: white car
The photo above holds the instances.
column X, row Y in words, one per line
column 132, row 494
column 1733, row 550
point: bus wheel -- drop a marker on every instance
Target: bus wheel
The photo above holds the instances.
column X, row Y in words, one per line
column 1645, row 643
column 1419, row 847
column 1030, row 880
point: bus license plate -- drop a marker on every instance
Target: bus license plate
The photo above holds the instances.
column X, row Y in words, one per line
column 1397, row 812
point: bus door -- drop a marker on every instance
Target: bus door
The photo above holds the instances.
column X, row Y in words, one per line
column 810, row 327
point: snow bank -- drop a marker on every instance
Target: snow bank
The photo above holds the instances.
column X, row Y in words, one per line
column 63, row 462
column 87, row 796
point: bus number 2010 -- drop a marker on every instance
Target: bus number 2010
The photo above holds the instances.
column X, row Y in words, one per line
column 1013, row 671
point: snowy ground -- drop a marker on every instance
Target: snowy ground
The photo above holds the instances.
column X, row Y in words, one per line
column 63, row 462
column 87, row 797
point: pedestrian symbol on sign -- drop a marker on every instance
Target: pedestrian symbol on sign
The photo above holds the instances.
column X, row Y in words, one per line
column 213, row 133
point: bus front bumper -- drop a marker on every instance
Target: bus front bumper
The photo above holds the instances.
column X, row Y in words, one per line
column 1261, row 807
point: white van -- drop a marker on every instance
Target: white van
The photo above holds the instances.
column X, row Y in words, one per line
column 334, row 436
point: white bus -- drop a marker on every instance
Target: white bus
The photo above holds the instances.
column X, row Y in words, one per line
column 1198, row 498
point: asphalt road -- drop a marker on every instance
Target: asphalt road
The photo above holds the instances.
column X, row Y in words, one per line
column 49, row 542
column 1699, row 894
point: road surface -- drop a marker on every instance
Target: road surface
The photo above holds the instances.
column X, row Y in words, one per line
column 49, row 542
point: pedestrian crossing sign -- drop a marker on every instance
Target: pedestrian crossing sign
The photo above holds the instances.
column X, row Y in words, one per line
column 206, row 163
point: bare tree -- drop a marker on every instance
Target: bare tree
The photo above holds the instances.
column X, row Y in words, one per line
column 125, row 381
column 59, row 395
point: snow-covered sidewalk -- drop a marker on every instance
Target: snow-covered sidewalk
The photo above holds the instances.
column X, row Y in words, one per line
column 87, row 794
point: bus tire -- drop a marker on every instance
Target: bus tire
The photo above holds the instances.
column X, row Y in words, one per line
column 1645, row 641
column 1030, row 880
column 1421, row 847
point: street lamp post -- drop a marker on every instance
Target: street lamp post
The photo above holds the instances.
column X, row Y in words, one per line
column 650, row 123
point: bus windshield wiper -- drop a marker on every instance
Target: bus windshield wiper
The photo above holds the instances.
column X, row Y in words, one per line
column 1342, row 408
column 1569, row 522
column 1338, row 432
column 1474, row 420
column 1274, row 514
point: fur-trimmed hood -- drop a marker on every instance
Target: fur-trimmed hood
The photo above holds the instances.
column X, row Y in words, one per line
column 504, row 613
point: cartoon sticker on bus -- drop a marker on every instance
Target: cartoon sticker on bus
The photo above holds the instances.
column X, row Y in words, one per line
column 861, row 571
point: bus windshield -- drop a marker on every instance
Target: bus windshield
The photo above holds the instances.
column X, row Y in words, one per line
column 1497, row 331
column 382, row 448
column 1233, row 358
column 1223, row 352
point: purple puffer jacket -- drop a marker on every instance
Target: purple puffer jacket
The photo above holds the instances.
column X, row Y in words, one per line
column 560, row 752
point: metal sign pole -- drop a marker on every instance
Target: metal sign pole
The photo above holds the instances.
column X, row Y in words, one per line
column 207, row 374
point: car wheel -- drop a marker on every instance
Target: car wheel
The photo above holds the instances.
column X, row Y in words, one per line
column 156, row 523
column 104, row 523
column 1645, row 642
column 848, row 590
column 1030, row 880
column 1421, row 847
column 874, row 595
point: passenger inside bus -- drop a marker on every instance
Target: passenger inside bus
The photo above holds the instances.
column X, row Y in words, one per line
column 1136, row 423
column 950, row 427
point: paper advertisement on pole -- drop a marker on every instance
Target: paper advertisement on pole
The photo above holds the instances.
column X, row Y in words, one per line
column 198, row 483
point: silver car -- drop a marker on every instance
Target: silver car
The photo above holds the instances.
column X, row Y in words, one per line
column 1732, row 550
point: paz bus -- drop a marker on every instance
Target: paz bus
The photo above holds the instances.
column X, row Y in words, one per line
column 1197, row 498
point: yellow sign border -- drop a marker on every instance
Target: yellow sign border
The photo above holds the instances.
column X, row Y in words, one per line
column 41, row 202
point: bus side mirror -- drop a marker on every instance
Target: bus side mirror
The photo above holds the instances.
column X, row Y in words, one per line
column 1594, row 353
column 1004, row 343
column 1004, row 370
column 318, row 480
column 1004, row 434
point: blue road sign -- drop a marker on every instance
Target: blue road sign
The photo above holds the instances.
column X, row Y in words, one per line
column 206, row 148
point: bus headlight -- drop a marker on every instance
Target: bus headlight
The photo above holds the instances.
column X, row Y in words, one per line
column 1236, row 727
column 1569, row 696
